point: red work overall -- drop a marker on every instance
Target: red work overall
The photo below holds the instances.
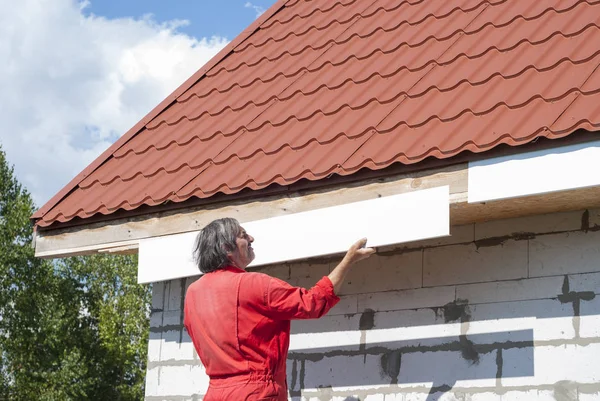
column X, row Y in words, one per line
column 240, row 324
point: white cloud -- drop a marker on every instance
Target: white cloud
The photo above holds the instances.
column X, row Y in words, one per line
column 72, row 84
column 258, row 9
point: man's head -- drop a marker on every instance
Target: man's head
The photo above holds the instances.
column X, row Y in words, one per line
column 221, row 243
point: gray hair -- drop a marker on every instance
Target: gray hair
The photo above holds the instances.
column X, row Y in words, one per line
column 213, row 242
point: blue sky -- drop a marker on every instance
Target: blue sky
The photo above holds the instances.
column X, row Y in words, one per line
column 78, row 74
column 225, row 18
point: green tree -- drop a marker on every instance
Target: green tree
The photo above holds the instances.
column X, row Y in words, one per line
column 70, row 329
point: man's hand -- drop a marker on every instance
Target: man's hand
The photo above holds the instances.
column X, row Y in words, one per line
column 358, row 252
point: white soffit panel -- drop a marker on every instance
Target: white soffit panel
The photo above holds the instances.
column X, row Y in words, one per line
column 532, row 173
column 384, row 221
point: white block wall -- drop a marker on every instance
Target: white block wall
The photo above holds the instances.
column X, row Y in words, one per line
column 501, row 311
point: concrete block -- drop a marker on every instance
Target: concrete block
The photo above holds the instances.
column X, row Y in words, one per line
column 533, row 395
column 306, row 275
column 514, row 290
column 437, row 396
column 458, row 235
column 200, row 379
column 549, row 319
column 190, row 280
column 311, row 342
column 589, row 396
column 463, row 264
column 156, row 319
column 172, row 318
column 585, row 282
column 326, row 324
column 594, row 218
column 545, row 223
column 173, row 349
column 589, row 321
column 457, row 371
column 407, row 299
column 394, row 397
column 330, row 331
column 568, row 253
column 154, row 345
column 369, row 397
column 498, row 332
column 385, row 273
column 187, row 350
column 152, row 382
column 175, row 294
column 420, row 328
column 413, row 337
column 487, row 396
column 280, row 271
column 348, row 305
column 552, row 364
column 408, row 318
column 344, row 372
column 182, row 381
column 158, row 295
column 449, row 396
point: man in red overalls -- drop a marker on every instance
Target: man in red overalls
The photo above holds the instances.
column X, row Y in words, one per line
column 240, row 321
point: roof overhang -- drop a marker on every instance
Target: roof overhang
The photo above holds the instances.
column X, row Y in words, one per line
column 535, row 182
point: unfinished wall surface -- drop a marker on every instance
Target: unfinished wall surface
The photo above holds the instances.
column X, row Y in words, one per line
column 500, row 311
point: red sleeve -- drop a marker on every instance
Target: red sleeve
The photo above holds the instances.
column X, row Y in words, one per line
column 287, row 302
column 279, row 300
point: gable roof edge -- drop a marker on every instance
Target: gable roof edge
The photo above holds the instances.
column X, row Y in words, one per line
column 187, row 84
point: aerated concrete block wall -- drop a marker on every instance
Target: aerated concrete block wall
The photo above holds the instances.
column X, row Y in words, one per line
column 500, row 311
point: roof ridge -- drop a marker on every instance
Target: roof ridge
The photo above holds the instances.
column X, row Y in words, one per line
column 162, row 106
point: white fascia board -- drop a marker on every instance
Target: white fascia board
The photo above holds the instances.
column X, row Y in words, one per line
column 384, row 221
column 534, row 173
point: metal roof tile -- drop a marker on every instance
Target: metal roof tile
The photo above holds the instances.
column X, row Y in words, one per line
column 325, row 87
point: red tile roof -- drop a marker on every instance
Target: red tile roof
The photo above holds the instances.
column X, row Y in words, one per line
column 320, row 87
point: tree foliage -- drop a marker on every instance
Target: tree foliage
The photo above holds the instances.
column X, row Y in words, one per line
column 70, row 329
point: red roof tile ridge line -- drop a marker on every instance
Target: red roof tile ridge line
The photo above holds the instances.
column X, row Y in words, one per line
column 100, row 160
